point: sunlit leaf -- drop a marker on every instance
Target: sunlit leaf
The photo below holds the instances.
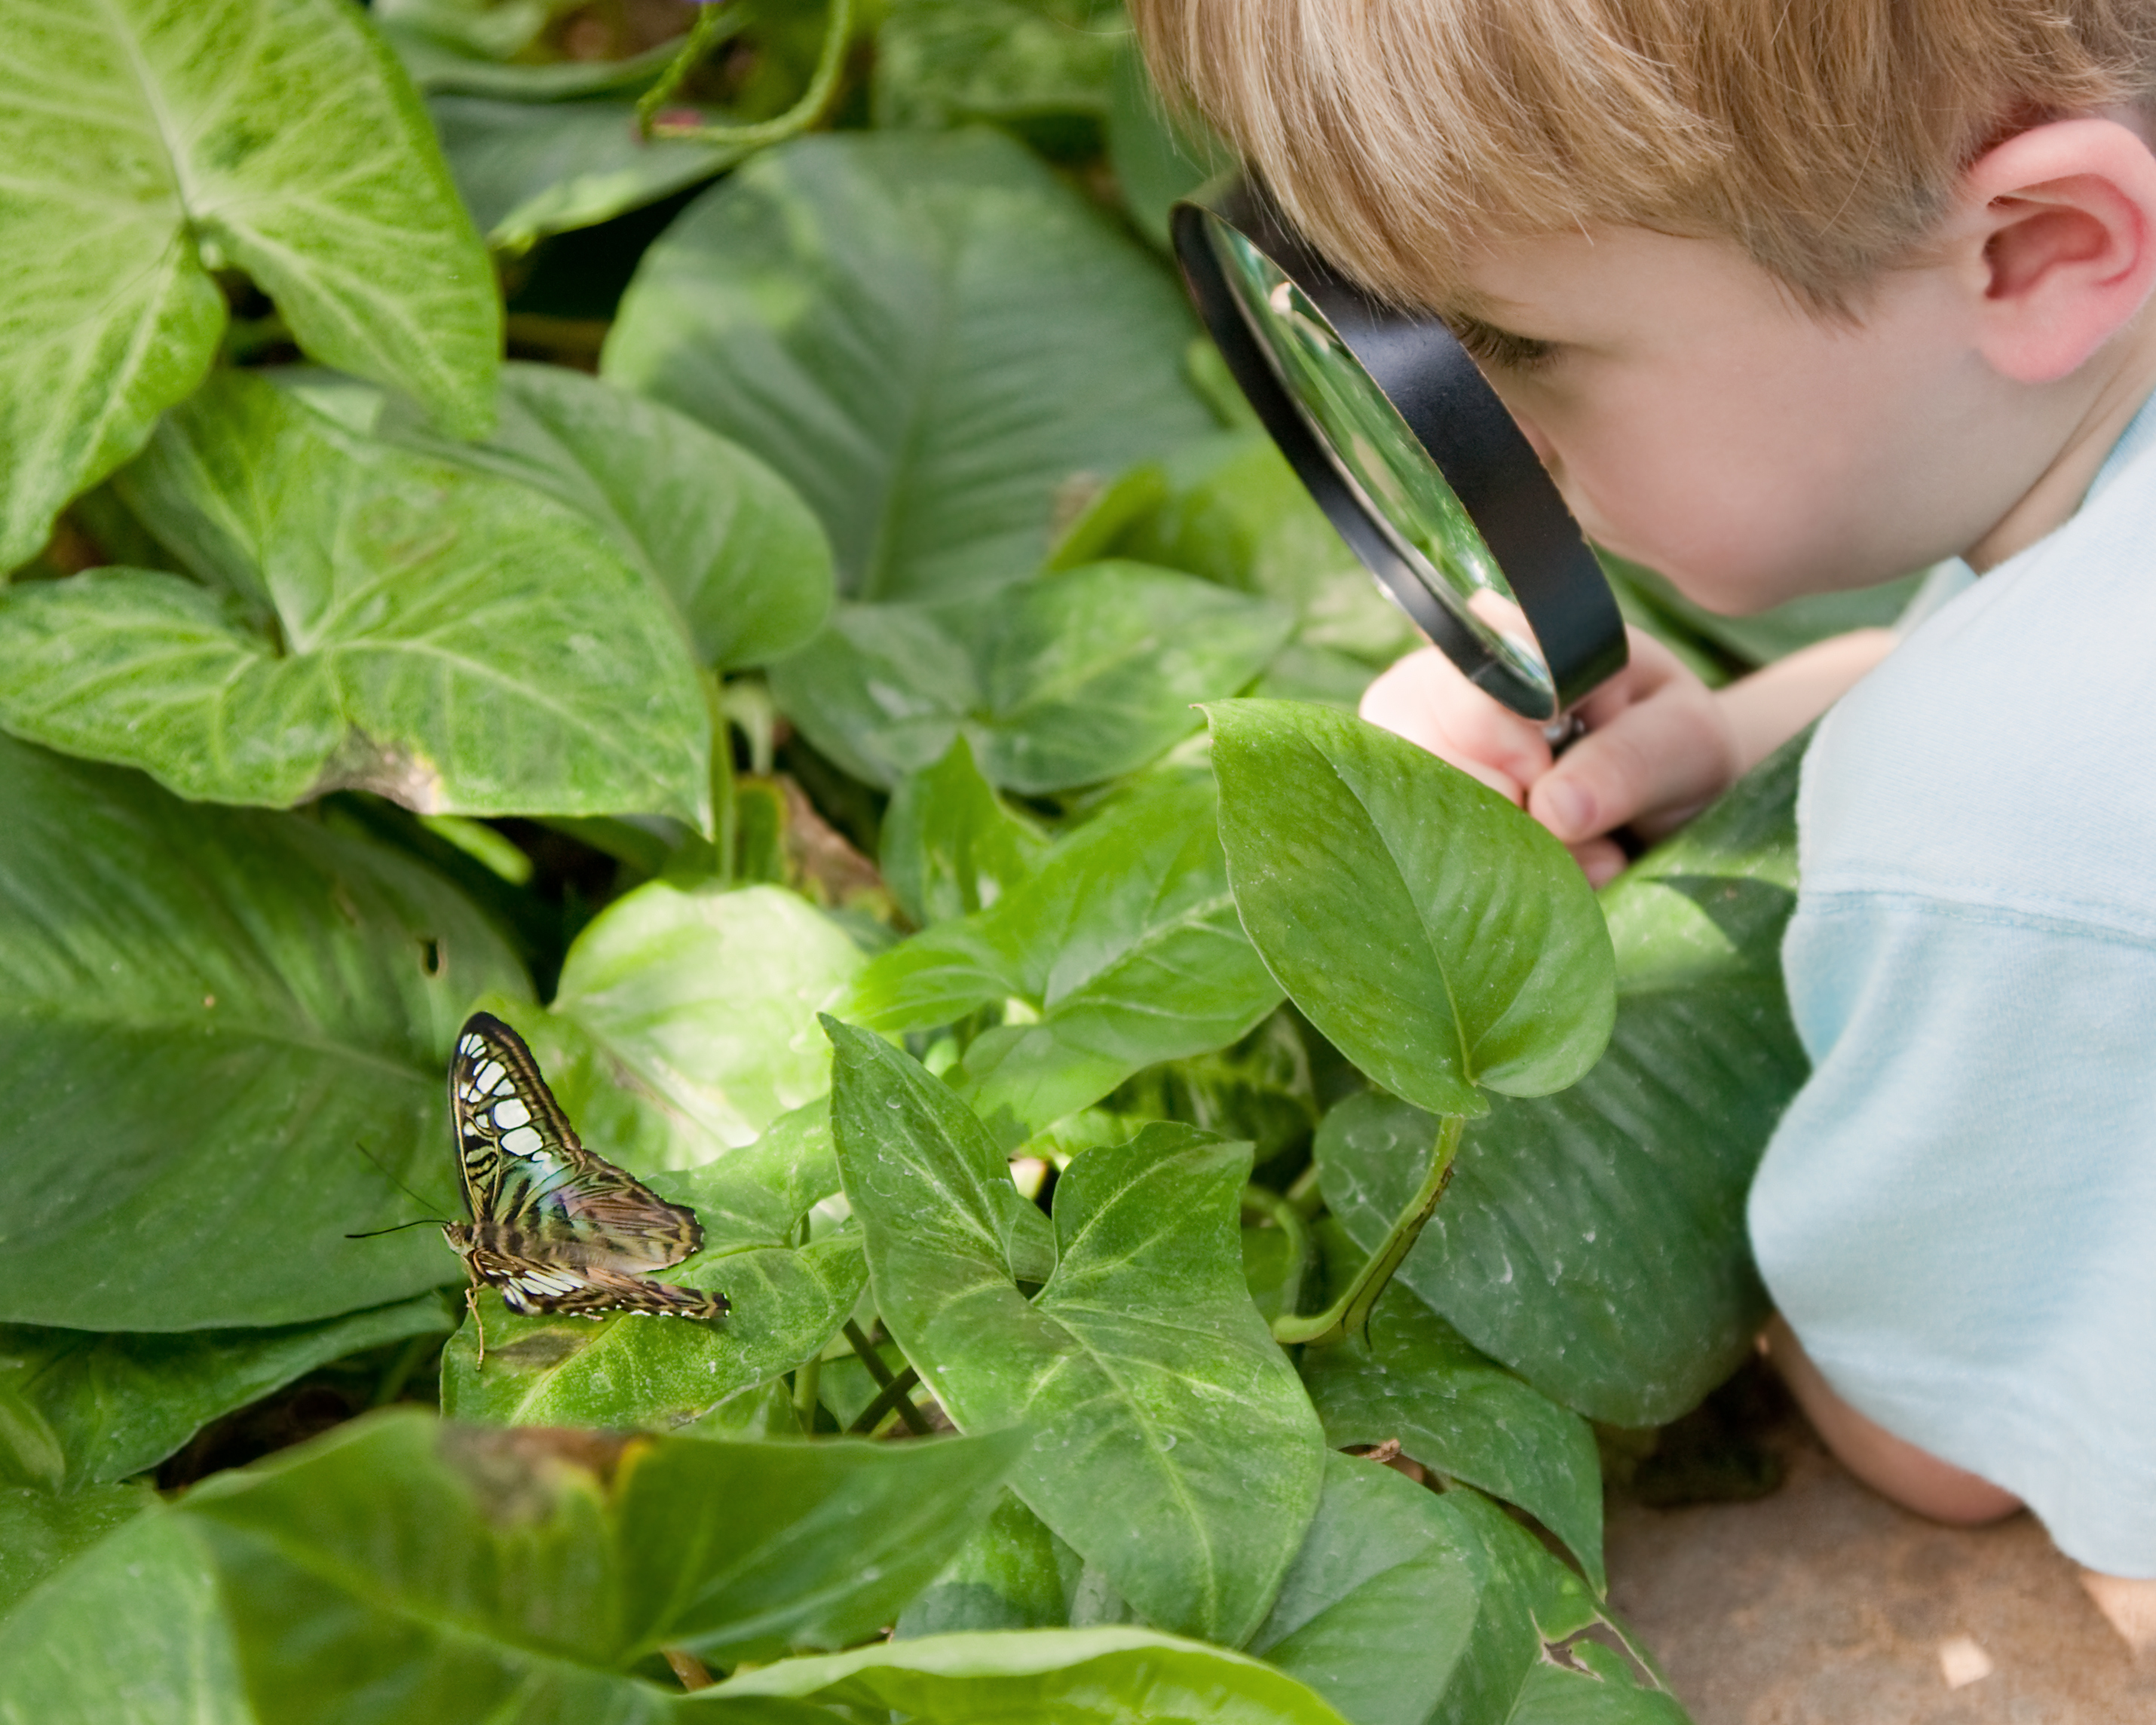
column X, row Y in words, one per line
column 1594, row 1241
column 207, row 1013
column 152, row 140
column 41, row 1532
column 927, row 336
column 1442, row 940
column 1172, row 1445
column 1023, row 63
column 738, row 554
column 1089, row 1677
column 361, row 617
column 1125, row 942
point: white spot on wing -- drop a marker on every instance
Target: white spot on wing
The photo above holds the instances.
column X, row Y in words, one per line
column 512, row 1113
column 523, row 1142
column 487, row 1076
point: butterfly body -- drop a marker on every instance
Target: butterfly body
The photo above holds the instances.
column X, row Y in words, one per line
column 554, row 1227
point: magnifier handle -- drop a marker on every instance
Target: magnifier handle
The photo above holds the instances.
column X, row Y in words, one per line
column 1563, row 731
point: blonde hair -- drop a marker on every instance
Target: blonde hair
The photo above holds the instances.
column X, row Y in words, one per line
column 1824, row 138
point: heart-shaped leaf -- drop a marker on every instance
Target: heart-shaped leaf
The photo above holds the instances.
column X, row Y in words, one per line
column 1594, row 1241
column 1077, row 676
column 208, row 1012
column 1125, row 942
column 1174, row 1448
column 150, row 142
column 453, row 1566
column 1406, row 1606
column 130, row 1629
column 1441, row 938
column 1415, row 1378
column 361, row 617
column 926, row 335
column 739, row 555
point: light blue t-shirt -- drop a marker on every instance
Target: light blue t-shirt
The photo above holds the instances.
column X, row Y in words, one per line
column 1958, row 1214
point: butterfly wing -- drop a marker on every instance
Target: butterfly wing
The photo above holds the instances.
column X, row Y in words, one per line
column 525, row 1171
column 533, row 1287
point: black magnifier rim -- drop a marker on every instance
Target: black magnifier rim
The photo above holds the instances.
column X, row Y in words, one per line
column 1437, row 389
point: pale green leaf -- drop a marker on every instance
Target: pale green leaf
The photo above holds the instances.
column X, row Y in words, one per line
column 277, row 136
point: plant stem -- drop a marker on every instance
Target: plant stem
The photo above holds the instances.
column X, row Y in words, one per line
column 713, row 24
column 400, row 1369
column 808, row 1377
column 1304, row 1195
column 688, row 1669
column 1282, row 1213
column 892, row 1395
column 1350, row 1314
column 864, row 1350
column 725, row 818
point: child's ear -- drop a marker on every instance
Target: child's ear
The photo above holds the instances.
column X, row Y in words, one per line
column 2063, row 229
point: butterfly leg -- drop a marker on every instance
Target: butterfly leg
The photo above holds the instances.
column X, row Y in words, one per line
column 471, row 1305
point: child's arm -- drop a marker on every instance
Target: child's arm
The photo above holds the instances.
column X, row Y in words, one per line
column 1660, row 743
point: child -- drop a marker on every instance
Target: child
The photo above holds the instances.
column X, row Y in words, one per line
column 1796, row 295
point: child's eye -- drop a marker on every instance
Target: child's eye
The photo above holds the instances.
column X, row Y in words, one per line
column 1500, row 349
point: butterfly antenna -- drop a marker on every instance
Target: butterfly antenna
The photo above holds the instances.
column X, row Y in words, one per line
column 423, row 1221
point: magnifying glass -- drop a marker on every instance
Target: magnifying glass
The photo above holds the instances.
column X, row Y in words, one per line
column 1411, row 454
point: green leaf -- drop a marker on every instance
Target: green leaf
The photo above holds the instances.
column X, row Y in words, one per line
column 527, row 169
column 40, row 1531
column 152, row 140
column 1109, row 1675
column 1454, row 1409
column 370, row 619
column 1594, row 1241
column 926, row 335
column 627, row 1371
column 1173, row 1446
column 131, row 1630
column 453, row 1566
column 244, row 999
column 738, row 555
column 1077, row 676
column 1157, row 158
column 1125, row 943
column 1018, row 63
column 685, row 1023
column 119, row 1404
column 1441, row 939
column 951, row 845
column 1405, row 1605
column 1013, row 1574
column 623, row 1371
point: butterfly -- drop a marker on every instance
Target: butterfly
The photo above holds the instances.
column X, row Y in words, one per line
column 554, row 1226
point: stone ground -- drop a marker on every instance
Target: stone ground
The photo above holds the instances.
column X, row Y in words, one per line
column 1821, row 1603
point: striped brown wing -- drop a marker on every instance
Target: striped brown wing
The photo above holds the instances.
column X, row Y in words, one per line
column 525, row 1170
column 533, row 1287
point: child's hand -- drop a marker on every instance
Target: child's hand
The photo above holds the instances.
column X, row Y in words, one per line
column 1658, row 747
column 1660, row 744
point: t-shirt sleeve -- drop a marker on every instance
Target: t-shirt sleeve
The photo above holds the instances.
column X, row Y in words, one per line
column 1958, row 1213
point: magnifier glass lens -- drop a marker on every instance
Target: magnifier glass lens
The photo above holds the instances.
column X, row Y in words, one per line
column 1377, row 455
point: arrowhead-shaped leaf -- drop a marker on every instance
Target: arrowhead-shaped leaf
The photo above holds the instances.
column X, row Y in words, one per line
column 278, row 136
column 1442, row 940
column 361, row 617
column 1173, row 1446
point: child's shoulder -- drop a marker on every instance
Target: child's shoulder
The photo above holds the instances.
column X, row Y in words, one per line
column 2005, row 754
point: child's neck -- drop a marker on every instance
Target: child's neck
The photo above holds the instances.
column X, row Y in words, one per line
column 2127, row 379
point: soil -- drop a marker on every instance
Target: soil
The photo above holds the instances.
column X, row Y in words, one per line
column 1821, row 1603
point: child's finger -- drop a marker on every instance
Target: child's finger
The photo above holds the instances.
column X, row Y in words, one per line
column 1671, row 749
column 1424, row 699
